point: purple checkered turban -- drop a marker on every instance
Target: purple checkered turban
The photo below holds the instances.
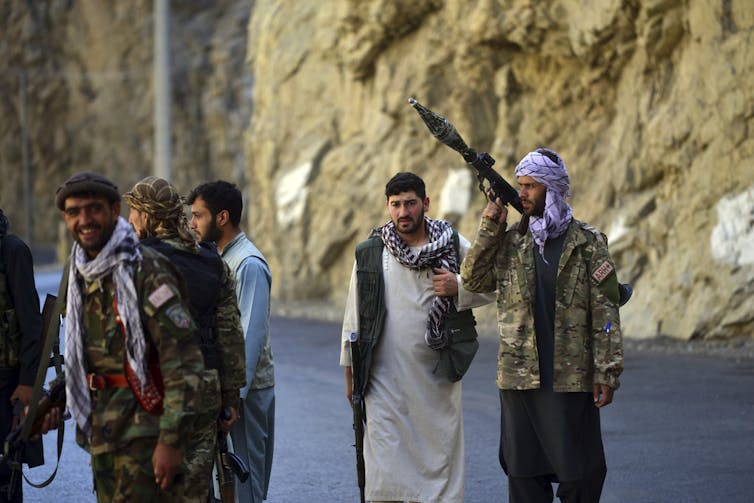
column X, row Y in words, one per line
column 548, row 168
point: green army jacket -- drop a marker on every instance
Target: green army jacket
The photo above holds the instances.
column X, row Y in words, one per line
column 588, row 345
column 117, row 417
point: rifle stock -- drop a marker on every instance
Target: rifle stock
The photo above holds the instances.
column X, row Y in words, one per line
column 491, row 183
column 228, row 465
column 31, row 425
column 357, row 403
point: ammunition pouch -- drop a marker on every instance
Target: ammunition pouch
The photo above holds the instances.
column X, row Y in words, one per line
column 456, row 357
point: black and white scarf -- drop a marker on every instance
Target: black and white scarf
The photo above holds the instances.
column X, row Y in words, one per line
column 118, row 257
column 438, row 252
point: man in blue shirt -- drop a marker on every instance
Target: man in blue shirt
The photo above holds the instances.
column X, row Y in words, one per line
column 215, row 216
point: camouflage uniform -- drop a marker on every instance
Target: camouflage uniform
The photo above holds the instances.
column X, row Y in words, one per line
column 124, row 435
column 162, row 226
column 587, row 344
column 219, row 388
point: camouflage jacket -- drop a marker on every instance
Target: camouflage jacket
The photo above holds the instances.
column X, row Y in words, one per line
column 230, row 341
column 117, row 417
column 588, row 344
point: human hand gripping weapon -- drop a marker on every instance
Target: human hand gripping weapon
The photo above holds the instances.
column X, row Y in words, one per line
column 359, row 417
column 491, row 183
column 43, row 402
column 54, row 398
column 496, row 186
column 228, row 465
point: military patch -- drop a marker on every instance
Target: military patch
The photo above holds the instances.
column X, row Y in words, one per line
column 602, row 272
column 160, row 296
column 178, row 316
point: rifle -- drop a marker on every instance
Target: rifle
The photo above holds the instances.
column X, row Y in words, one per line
column 359, row 416
column 54, row 398
column 496, row 186
column 13, row 446
column 42, row 402
column 228, row 464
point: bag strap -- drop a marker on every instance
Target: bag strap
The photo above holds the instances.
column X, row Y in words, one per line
column 457, row 246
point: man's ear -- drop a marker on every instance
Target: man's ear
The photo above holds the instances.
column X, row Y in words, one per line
column 222, row 218
column 426, row 204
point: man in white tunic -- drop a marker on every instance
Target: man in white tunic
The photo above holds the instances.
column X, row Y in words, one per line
column 413, row 445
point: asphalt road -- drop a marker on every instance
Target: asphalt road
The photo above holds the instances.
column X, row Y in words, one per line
column 681, row 428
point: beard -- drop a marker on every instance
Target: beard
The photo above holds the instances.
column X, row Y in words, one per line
column 409, row 225
column 92, row 247
column 213, row 233
column 537, row 208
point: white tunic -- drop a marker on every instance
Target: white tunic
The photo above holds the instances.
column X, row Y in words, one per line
column 413, row 443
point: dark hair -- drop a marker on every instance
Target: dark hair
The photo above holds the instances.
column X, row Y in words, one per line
column 219, row 196
column 405, row 182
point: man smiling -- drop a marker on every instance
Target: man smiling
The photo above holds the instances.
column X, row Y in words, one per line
column 125, row 317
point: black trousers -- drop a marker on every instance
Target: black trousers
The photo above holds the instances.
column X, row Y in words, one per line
column 8, row 383
column 538, row 489
column 548, row 437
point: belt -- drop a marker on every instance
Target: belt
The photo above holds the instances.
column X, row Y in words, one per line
column 103, row 381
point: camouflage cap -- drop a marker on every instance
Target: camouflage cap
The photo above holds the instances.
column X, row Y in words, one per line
column 155, row 196
column 86, row 182
column 159, row 200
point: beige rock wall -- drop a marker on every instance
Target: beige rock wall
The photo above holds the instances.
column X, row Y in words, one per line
column 651, row 104
column 88, row 68
column 649, row 101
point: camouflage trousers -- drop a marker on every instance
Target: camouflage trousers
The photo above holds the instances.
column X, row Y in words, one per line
column 199, row 455
column 127, row 475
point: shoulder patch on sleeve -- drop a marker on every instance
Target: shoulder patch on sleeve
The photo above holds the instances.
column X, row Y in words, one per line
column 602, row 272
column 178, row 316
column 594, row 231
column 162, row 294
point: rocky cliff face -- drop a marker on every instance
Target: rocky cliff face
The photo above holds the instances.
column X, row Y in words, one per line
column 650, row 103
column 87, row 68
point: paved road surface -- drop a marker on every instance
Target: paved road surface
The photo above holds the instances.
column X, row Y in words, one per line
column 681, row 428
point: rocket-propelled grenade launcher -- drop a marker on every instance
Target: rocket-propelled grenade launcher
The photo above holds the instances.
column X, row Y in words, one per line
column 490, row 182
column 496, row 186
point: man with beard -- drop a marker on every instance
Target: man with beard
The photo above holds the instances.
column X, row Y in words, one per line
column 20, row 331
column 560, row 339
column 215, row 216
column 413, row 445
column 157, row 214
column 132, row 365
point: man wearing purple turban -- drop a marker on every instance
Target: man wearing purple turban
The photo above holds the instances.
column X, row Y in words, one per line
column 560, row 339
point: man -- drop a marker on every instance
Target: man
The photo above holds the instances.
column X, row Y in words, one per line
column 413, row 445
column 215, row 216
column 560, row 339
column 20, row 331
column 128, row 337
column 157, row 215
